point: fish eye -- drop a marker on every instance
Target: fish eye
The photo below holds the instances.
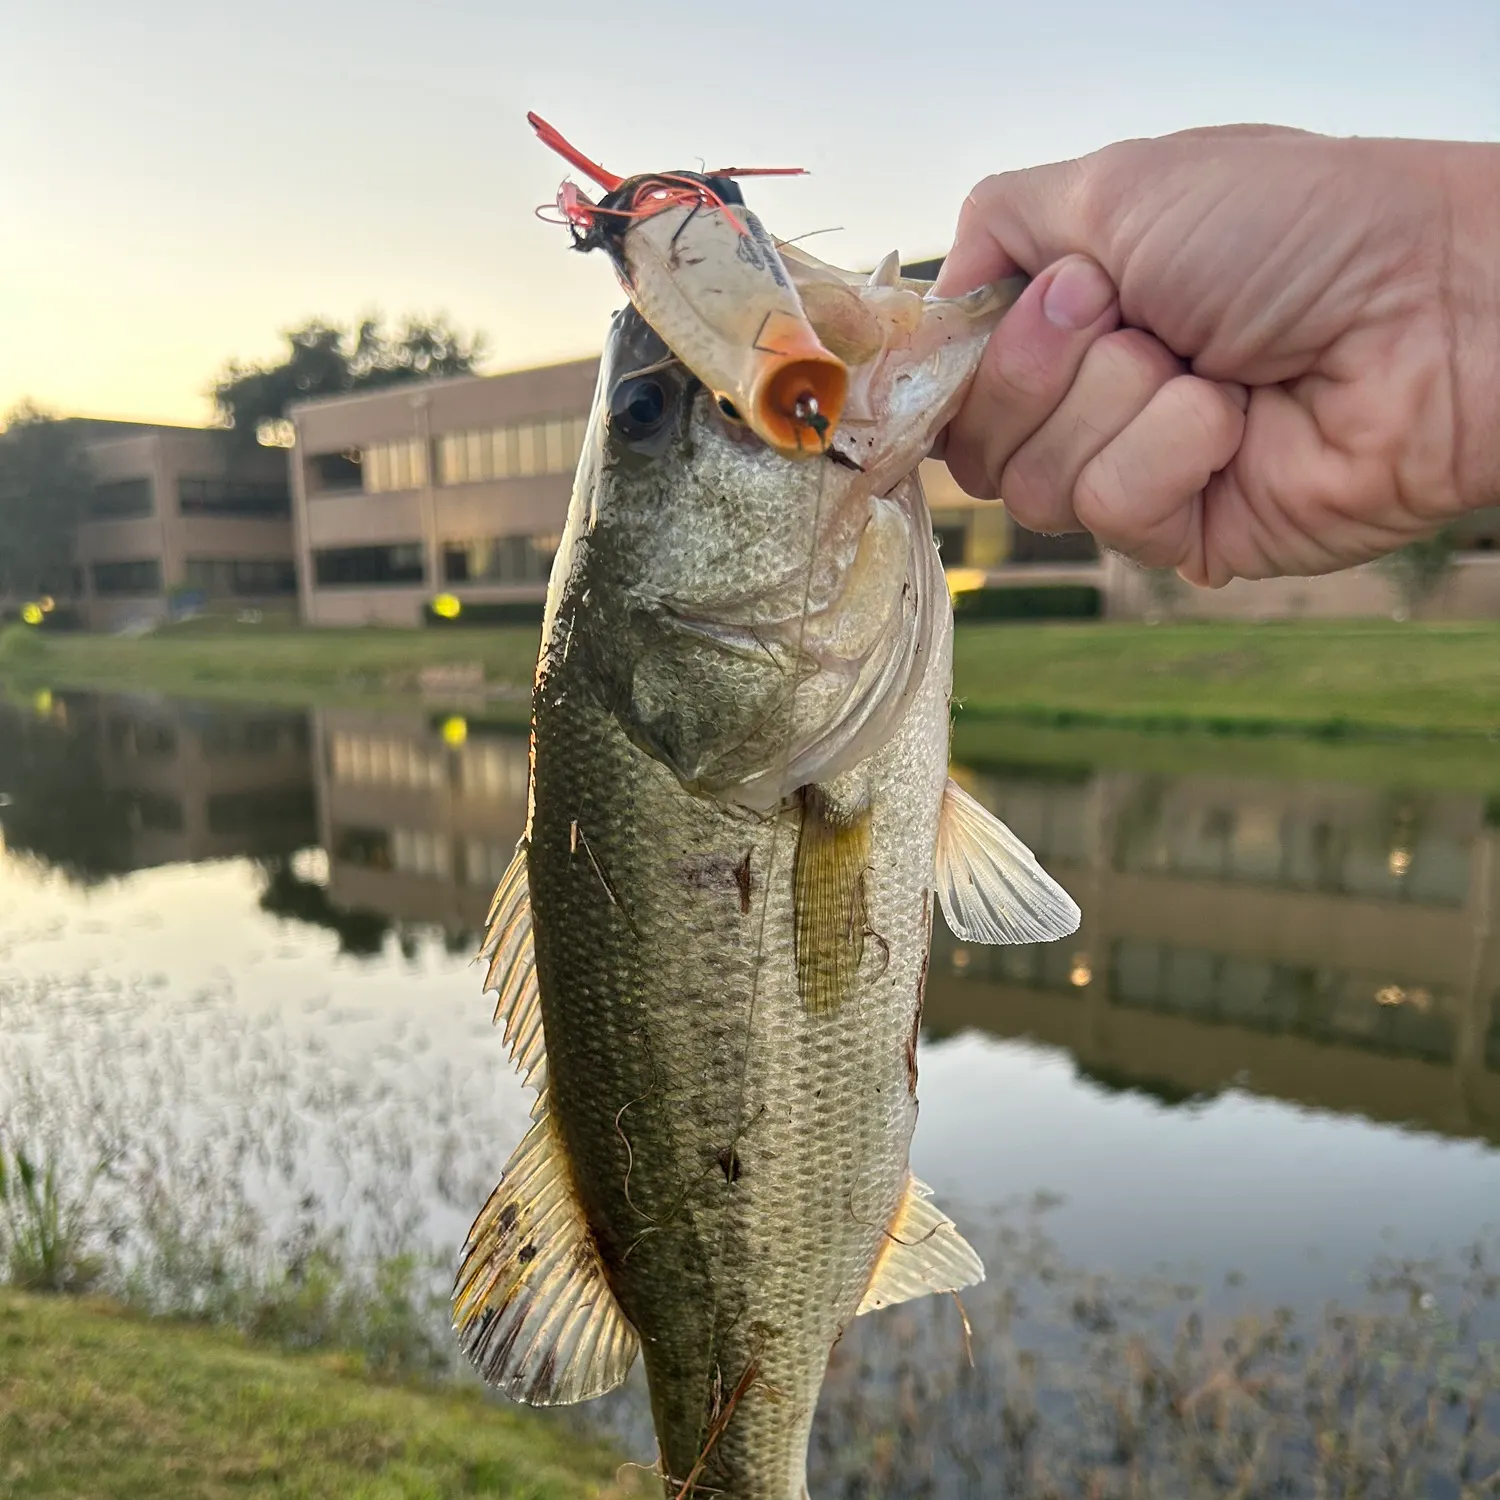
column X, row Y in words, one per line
column 729, row 409
column 639, row 407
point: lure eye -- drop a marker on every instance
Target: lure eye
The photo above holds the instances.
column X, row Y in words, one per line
column 639, row 408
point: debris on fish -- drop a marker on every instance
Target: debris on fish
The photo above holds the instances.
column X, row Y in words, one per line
column 711, row 949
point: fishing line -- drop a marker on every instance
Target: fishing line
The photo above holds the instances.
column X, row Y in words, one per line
column 765, row 904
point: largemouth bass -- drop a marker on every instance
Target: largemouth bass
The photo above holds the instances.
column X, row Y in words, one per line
column 711, row 948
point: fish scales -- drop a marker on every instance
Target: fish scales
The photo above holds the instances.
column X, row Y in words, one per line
column 675, row 1023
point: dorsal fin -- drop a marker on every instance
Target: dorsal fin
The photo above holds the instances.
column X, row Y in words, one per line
column 924, row 1253
column 512, row 972
column 531, row 1305
column 990, row 885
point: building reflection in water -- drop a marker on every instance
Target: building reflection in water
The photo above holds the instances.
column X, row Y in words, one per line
column 414, row 825
column 1326, row 944
column 103, row 786
column 1323, row 943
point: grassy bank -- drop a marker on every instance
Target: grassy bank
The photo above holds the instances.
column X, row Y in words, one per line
column 1329, row 679
column 95, row 1402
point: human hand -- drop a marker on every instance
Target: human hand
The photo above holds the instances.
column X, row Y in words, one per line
column 1247, row 351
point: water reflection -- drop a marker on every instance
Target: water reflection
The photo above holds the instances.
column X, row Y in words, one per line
column 1327, row 944
column 100, row 787
column 1322, row 943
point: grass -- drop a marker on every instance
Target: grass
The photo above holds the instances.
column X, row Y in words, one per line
column 1328, row 679
column 274, row 1182
column 98, row 1402
column 295, row 667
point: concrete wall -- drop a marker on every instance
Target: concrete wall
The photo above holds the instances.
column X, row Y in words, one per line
column 1471, row 592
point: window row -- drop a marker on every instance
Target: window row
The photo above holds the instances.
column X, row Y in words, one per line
column 502, row 559
column 551, row 445
column 505, row 559
column 222, row 577
column 234, row 497
column 545, row 445
column 139, row 576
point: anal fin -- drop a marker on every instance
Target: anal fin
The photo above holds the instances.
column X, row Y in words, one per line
column 991, row 888
column 531, row 1305
column 833, row 853
column 924, row 1253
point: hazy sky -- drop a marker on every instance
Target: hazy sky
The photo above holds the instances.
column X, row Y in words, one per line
column 180, row 181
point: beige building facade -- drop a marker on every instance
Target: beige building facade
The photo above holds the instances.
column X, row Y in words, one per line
column 452, row 486
column 461, row 487
column 175, row 520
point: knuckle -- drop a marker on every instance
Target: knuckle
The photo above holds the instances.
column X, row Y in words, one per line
column 1030, row 491
column 1096, row 503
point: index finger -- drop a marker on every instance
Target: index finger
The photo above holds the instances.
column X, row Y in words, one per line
column 1018, row 221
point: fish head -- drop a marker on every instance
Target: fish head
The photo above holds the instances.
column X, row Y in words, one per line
column 757, row 619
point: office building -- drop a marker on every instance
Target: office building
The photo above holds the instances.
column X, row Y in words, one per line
column 180, row 520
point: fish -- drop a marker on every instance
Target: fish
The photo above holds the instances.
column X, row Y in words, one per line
column 710, row 950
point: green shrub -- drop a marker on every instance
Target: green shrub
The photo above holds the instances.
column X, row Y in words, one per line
column 515, row 612
column 1027, row 601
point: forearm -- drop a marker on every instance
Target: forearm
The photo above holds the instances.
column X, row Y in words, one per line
column 1473, row 297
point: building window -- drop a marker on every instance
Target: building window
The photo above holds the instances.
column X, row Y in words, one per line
column 142, row 576
column 123, row 500
column 233, row 497
column 241, row 576
column 353, row 566
column 952, row 544
column 505, row 559
column 334, row 473
column 389, row 467
column 1479, row 531
column 544, row 445
column 1028, row 546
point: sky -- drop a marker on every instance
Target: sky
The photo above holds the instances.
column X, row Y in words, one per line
column 180, row 182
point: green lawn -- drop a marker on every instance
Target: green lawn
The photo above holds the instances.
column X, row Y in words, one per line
column 1319, row 678
column 96, row 1403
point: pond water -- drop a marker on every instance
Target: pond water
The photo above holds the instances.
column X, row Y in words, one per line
column 1270, row 1056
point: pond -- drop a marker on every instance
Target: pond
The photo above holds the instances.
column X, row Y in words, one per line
column 238, row 942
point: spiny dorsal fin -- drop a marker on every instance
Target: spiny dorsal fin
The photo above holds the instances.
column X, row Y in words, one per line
column 833, row 852
column 925, row 1253
column 512, row 972
column 531, row 1306
column 990, row 885
column 888, row 272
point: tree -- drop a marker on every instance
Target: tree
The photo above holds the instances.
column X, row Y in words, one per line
column 325, row 359
column 45, row 487
column 1418, row 569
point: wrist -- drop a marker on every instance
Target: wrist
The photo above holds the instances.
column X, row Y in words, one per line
column 1473, row 303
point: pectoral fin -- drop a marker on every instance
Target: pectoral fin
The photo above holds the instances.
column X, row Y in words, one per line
column 512, row 972
column 990, row 885
column 924, row 1253
column 833, row 852
column 531, row 1305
